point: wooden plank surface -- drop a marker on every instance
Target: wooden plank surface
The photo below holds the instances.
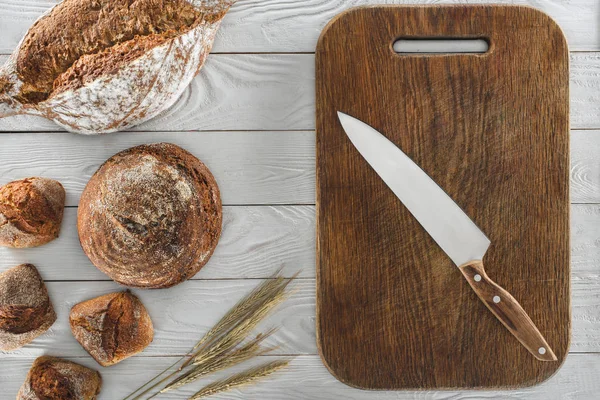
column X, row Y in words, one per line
column 284, row 237
column 294, row 26
column 292, row 228
column 259, row 240
column 276, row 92
column 233, row 92
column 255, row 243
column 307, row 379
column 585, row 167
column 250, row 167
column 180, row 316
column 268, row 167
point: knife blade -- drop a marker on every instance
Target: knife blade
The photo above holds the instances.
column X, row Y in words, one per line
column 449, row 226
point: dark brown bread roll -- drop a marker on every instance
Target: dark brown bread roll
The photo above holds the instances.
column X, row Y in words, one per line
column 31, row 212
column 52, row 378
column 151, row 216
column 112, row 327
column 25, row 308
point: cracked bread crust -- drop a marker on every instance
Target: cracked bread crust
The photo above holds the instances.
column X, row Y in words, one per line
column 92, row 66
column 53, row 378
column 151, row 216
column 112, row 327
column 88, row 27
column 25, row 308
column 31, row 212
column 169, row 42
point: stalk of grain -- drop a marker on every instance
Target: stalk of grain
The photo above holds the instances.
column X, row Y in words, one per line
column 243, row 378
column 223, row 345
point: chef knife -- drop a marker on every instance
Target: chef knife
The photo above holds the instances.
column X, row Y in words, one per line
column 448, row 225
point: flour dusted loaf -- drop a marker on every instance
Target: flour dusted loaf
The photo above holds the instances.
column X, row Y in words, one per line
column 52, row 378
column 31, row 212
column 98, row 66
column 25, row 308
column 112, row 327
column 151, row 216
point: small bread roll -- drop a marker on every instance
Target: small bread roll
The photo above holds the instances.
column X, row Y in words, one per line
column 112, row 327
column 31, row 212
column 25, row 308
column 52, row 378
column 151, row 216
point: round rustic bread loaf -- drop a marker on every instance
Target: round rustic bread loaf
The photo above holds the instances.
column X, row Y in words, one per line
column 151, row 216
column 112, row 327
column 25, row 308
column 31, row 212
column 52, row 378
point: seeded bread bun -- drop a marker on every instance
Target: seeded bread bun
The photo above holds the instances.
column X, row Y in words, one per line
column 151, row 216
column 31, row 212
column 52, row 378
column 112, row 327
column 25, row 308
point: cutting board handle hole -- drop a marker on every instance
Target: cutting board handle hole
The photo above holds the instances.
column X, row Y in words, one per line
column 433, row 46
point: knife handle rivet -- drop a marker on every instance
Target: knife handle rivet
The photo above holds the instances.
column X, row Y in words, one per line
column 496, row 299
column 542, row 350
column 477, row 278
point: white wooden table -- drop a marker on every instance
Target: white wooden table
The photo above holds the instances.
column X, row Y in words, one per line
column 249, row 116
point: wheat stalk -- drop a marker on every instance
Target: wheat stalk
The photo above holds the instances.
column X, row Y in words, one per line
column 243, row 378
column 218, row 348
column 243, row 318
column 237, row 334
column 238, row 356
column 242, row 307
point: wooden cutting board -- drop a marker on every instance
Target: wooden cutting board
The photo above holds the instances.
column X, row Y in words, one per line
column 493, row 131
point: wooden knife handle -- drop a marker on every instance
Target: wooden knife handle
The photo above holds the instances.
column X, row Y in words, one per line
column 507, row 310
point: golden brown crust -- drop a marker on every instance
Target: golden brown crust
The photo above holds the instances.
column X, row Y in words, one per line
column 78, row 27
column 151, row 216
column 31, row 212
column 91, row 66
column 19, row 318
column 25, row 308
column 112, row 327
column 52, row 378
